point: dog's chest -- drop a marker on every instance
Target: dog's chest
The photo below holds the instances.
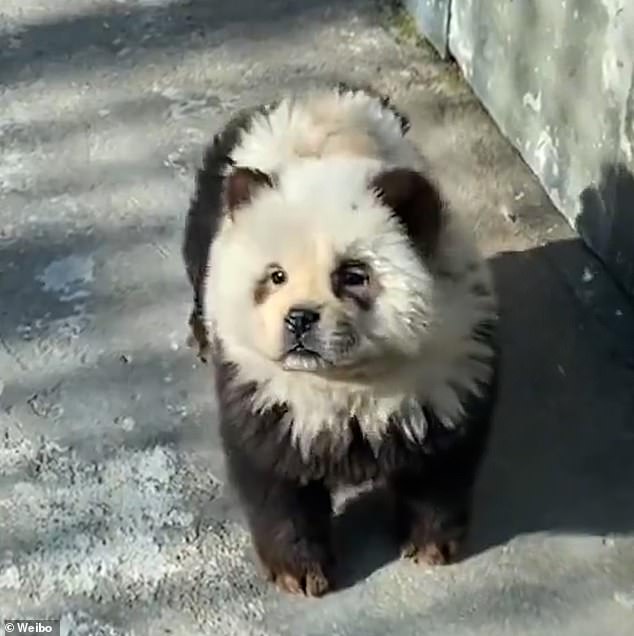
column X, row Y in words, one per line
column 338, row 414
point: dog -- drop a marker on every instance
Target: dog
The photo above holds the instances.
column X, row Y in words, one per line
column 351, row 322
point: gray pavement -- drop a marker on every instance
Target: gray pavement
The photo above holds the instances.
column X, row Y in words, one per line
column 114, row 512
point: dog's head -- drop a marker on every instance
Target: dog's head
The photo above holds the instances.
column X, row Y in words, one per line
column 324, row 268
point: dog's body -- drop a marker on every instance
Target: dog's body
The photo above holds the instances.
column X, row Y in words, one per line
column 351, row 322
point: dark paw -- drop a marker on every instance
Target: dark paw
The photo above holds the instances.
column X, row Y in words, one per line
column 293, row 540
column 432, row 553
column 295, row 564
column 433, row 533
column 309, row 579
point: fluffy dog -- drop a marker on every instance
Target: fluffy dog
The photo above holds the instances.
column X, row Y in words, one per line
column 351, row 322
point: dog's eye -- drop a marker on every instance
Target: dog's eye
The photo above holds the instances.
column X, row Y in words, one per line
column 278, row 276
column 353, row 276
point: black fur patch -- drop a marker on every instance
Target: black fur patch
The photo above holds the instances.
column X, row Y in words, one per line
column 416, row 203
column 242, row 184
column 286, row 495
column 363, row 295
column 205, row 212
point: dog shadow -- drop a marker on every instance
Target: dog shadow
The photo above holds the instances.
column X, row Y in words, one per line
column 560, row 455
column 364, row 540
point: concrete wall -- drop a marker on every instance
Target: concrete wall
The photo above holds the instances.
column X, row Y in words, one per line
column 558, row 78
column 432, row 18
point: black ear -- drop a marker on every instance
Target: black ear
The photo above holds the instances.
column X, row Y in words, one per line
column 416, row 203
column 241, row 184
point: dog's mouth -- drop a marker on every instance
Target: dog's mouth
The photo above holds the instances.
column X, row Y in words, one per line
column 301, row 358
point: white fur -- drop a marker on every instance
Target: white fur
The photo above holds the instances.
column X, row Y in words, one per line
column 324, row 124
column 324, row 150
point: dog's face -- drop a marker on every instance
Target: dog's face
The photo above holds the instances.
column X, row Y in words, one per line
column 324, row 269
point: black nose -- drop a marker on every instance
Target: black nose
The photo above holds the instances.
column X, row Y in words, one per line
column 300, row 319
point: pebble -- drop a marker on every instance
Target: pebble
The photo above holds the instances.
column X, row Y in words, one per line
column 626, row 599
column 127, row 423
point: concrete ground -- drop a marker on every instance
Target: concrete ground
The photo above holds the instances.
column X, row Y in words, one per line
column 113, row 508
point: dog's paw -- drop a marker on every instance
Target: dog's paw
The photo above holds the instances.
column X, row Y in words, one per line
column 433, row 553
column 309, row 579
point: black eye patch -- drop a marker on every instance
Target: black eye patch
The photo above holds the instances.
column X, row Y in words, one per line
column 351, row 279
column 353, row 274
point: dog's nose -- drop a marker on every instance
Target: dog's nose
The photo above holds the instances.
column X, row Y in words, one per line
column 299, row 320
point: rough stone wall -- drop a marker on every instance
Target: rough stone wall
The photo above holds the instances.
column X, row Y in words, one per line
column 558, row 78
